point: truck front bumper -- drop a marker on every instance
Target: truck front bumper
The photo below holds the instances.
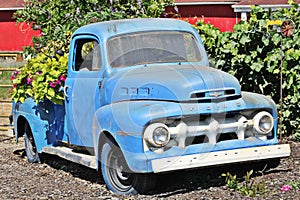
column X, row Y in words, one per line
column 220, row 157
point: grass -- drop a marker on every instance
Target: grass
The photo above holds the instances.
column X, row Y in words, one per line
column 5, row 79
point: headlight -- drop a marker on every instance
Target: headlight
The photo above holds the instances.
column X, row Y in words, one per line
column 157, row 134
column 263, row 122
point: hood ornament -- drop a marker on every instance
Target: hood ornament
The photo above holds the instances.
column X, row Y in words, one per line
column 215, row 94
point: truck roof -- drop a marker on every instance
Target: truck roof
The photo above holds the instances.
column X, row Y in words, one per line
column 107, row 29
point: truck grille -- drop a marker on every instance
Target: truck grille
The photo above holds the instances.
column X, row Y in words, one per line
column 215, row 95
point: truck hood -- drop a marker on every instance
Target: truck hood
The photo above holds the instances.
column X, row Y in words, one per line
column 171, row 83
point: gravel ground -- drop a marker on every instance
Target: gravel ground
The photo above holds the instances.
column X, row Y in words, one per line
column 56, row 178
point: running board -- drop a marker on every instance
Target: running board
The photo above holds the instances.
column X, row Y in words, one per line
column 69, row 154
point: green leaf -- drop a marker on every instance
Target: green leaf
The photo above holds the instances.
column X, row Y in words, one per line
column 265, row 41
column 247, row 59
column 276, row 71
column 276, row 39
column 245, row 39
column 256, row 66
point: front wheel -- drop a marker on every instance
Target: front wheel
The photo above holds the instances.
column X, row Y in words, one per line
column 117, row 175
column 30, row 148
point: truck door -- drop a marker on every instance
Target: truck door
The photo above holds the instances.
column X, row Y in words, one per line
column 82, row 89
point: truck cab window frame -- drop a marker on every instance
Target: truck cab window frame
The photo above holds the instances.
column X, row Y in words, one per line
column 87, row 55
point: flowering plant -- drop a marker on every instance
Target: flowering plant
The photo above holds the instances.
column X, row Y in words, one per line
column 41, row 78
column 58, row 19
column 286, row 188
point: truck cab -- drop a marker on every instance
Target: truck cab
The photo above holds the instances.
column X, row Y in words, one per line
column 141, row 99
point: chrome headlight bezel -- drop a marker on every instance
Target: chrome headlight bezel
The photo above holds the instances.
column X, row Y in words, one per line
column 263, row 123
column 157, row 135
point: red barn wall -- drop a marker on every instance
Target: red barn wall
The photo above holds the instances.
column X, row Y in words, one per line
column 221, row 16
column 13, row 37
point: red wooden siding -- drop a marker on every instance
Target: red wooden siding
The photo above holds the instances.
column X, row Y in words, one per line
column 13, row 37
column 221, row 16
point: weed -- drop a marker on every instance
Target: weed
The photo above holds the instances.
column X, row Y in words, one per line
column 250, row 187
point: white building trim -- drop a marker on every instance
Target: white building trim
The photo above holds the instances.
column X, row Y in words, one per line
column 11, row 9
column 247, row 8
column 204, row 3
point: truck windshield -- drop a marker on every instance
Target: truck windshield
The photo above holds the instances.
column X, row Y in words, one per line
column 153, row 47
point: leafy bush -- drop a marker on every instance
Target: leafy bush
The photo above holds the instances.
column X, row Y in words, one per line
column 57, row 19
column 44, row 74
column 252, row 53
column 41, row 78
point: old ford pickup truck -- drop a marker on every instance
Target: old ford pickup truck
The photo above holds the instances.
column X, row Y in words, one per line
column 141, row 99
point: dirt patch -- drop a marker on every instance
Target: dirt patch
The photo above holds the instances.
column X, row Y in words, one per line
column 56, row 178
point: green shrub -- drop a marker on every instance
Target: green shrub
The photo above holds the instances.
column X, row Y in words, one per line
column 252, row 53
column 42, row 78
column 43, row 75
column 58, row 19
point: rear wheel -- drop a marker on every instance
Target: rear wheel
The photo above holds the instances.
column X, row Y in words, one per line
column 30, row 148
column 117, row 175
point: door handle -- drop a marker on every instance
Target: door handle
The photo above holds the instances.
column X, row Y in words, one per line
column 65, row 89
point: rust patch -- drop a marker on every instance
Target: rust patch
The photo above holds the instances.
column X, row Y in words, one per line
column 122, row 133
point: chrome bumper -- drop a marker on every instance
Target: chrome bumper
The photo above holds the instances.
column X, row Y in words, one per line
column 220, row 157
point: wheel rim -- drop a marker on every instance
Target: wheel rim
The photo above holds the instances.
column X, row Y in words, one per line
column 31, row 150
column 118, row 172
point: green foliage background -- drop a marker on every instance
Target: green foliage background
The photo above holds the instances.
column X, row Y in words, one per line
column 43, row 75
column 252, row 53
column 57, row 19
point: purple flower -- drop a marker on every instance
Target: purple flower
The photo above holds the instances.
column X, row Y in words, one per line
column 77, row 10
column 68, row 15
column 57, row 82
column 14, row 75
column 53, row 84
column 16, row 72
column 112, row 9
column 286, row 188
column 29, row 80
column 140, row 4
column 111, row 1
column 62, row 78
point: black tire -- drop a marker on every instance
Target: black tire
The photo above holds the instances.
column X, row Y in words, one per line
column 117, row 175
column 30, row 148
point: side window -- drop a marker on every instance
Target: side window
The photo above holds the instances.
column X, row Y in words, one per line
column 87, row 56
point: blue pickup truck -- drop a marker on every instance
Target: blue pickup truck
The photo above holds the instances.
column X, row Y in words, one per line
column 141, row 99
